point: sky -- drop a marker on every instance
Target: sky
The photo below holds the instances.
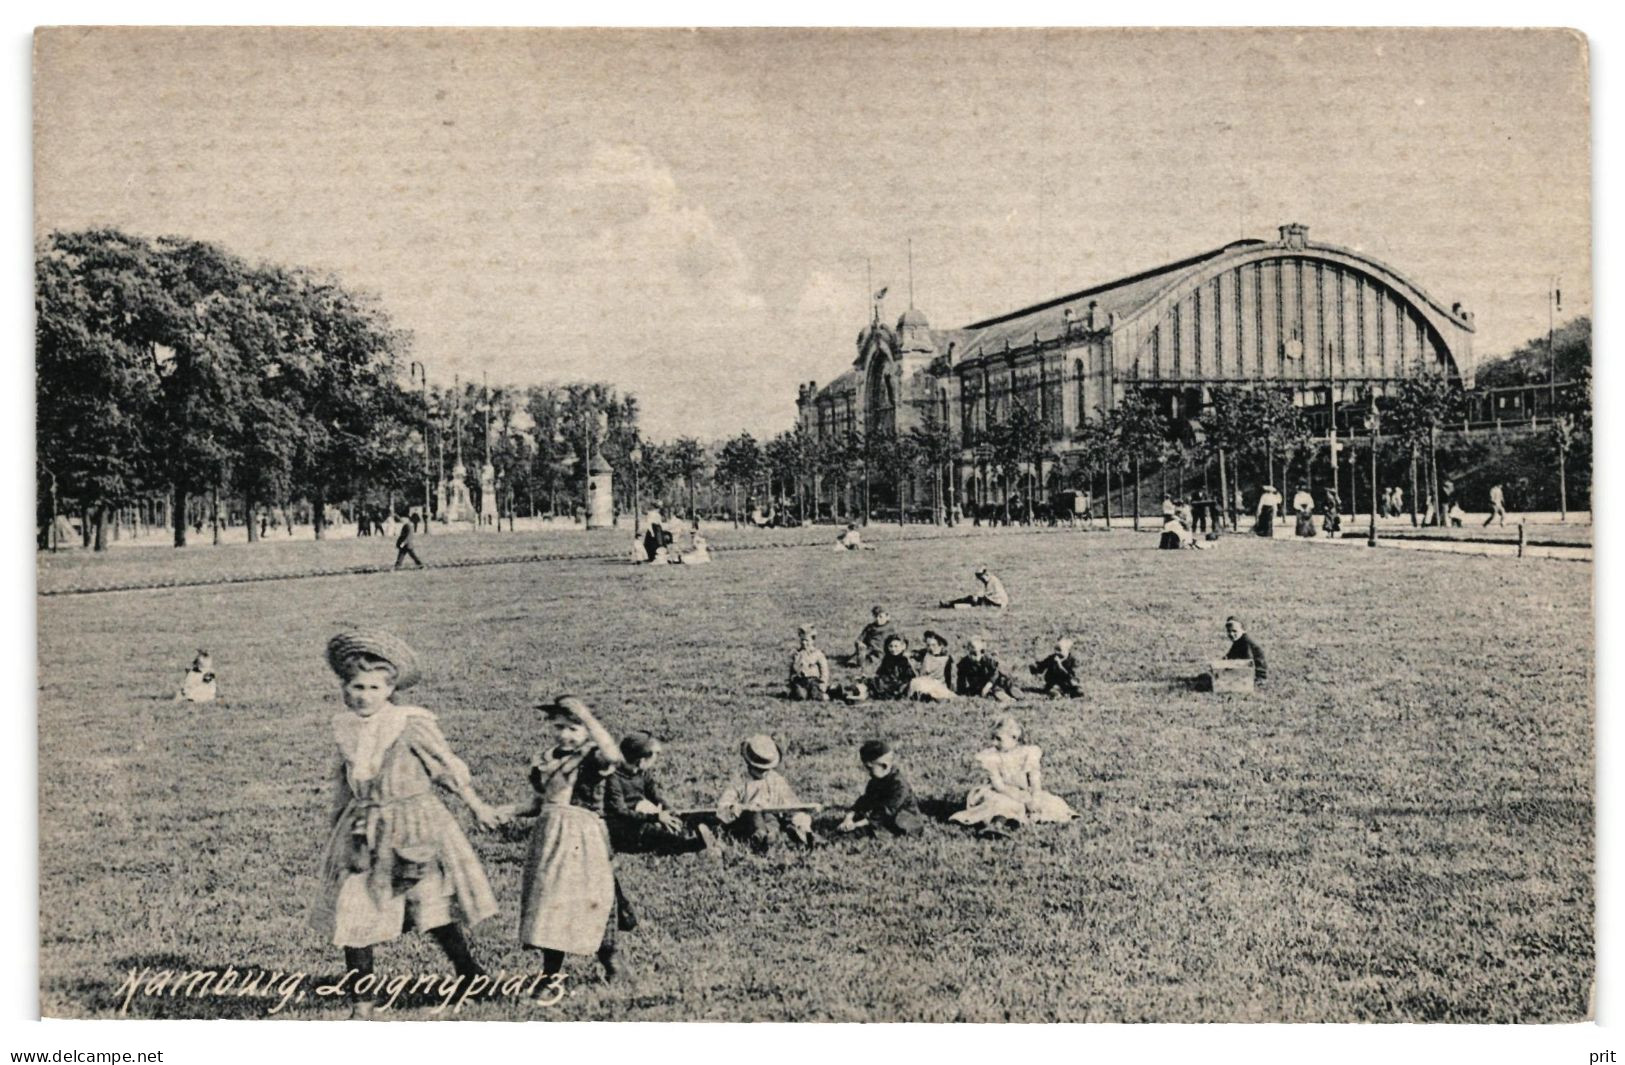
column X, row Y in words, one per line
column 700, row 217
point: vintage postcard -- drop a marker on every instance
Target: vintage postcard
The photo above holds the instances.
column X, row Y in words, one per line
column 814, row 525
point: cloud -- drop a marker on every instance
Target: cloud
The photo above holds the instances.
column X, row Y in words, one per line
column 646, row 291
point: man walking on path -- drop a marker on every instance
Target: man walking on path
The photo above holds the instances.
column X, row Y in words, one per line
column 1498, row 505
column 403, row 546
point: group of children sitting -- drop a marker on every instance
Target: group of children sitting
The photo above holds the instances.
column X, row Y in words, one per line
column 396, row 861
column 663, row 549
column 887, row 669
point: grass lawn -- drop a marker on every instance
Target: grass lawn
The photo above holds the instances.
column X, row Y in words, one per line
column 1400, row 828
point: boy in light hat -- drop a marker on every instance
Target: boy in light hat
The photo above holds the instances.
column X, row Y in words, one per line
column 762, row 806
column 1059, row 670
column 809, row 669
column 887, row 801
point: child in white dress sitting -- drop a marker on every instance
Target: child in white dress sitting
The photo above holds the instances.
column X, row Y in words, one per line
column 1014, row 794
column 197, row 684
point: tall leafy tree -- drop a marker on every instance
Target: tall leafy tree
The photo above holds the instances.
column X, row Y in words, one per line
column 1142, row 432
column 739, row 462
column 934, row 445
column 97, row 304
column 1423, row 406
column 689, row 461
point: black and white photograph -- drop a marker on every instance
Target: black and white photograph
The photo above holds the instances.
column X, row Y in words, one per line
column 814, row 525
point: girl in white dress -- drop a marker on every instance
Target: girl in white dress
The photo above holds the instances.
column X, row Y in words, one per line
column 1015, row 787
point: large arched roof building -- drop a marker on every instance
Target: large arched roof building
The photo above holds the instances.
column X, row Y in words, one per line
column 1322, row 322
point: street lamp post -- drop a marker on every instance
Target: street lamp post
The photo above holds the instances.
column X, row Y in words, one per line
column 636, row 455
column 421, row 375
column 1373, row 422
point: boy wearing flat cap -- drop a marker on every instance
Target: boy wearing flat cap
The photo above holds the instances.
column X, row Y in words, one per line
column 762, row 806
column 809, row 669
column 639, row 818
column 887, row 801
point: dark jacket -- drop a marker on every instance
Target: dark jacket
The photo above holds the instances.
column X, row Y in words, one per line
column 1058, row 672
column 404, row 540
column 622, row 791
column 891, row 678
column 1247, row 647
column 885, row 800
column 874, row 637
column 973, row 675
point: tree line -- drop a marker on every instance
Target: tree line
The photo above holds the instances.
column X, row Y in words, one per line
column 181, row 384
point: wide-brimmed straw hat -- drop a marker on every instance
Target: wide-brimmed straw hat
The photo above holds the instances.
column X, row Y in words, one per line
column 374, row 643
column 761, row 752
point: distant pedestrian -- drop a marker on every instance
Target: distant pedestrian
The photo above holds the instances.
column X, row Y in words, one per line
column 1498, row 508
column 1303, row 506
column 1269, row 502
column 1332, row 524
column 403, row 546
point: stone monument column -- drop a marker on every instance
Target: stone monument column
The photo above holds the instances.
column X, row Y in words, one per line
column 459, row 507
column 600, row 494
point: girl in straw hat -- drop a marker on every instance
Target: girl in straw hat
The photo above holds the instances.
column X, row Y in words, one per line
column 570, row 901
column 1015, row 791
column 396, row 859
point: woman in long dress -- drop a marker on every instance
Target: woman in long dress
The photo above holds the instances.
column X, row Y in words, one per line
column 1303, row 505
column 1269, row 501
column 1015, row 791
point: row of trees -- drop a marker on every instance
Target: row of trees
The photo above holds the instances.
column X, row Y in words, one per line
column 179, row 380
column 180, row 383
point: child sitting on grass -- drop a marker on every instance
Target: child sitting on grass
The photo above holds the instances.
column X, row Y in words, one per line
column 933, row 670
column 758, row 809
column 197, row 683
column 1014, row 794
column 1244, row 647
column 870, row 647
column 992, row 593
column 980, row 675
column 895, row 672
column 887, row 802
column 639, row 818
column 1060, row 670
column 809, row 669
column 396, row 860
column 851, row 540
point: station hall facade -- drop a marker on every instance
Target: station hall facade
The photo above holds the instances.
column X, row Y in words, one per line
column 1326, row 324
